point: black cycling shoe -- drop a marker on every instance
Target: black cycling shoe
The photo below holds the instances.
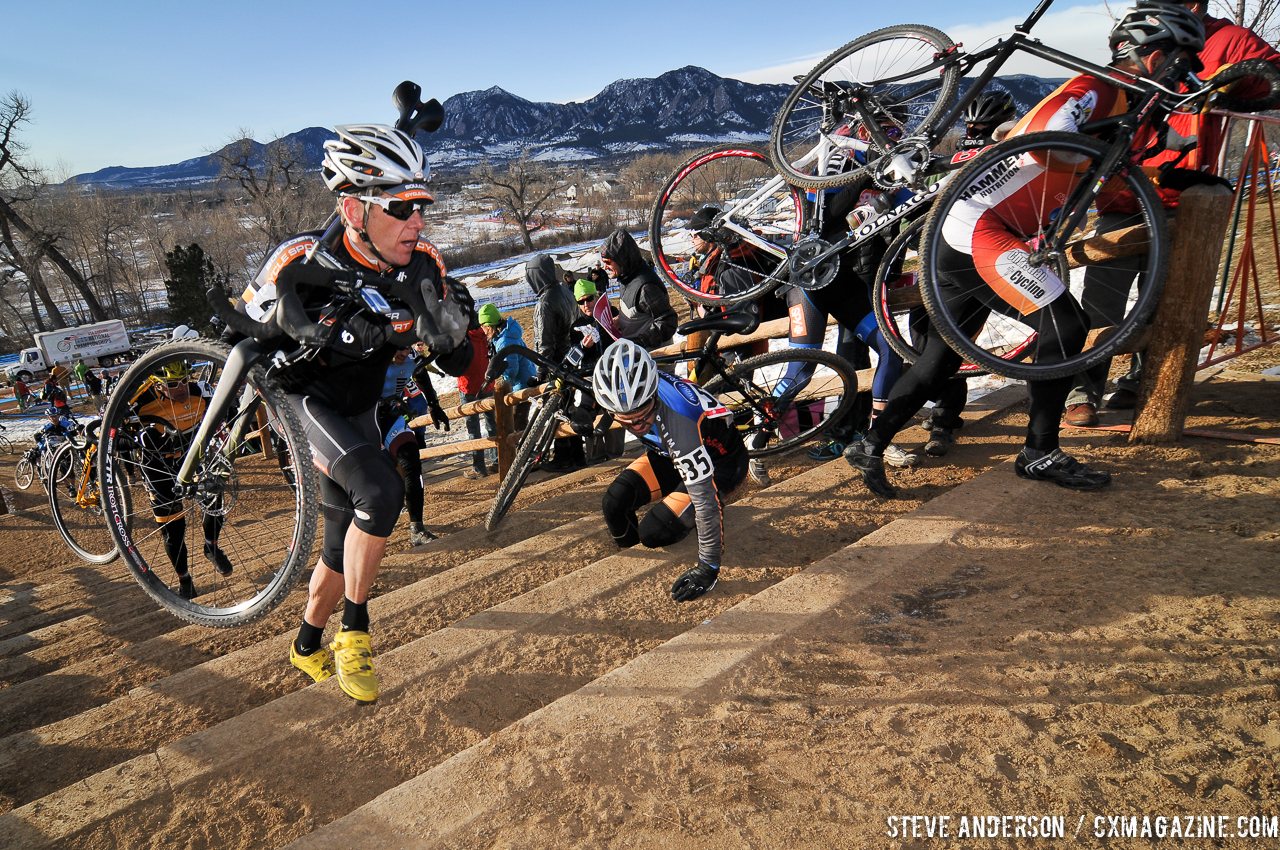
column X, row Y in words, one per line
column 861, row 457
column 1062, row 469
column 695, row 582
column 940, row 441
column 221, row 562
column 186, row 587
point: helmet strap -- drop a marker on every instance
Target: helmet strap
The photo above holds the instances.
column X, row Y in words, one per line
column 363, row 243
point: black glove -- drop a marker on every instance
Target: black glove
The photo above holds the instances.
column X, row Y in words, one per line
column 438, row 419
column 695, row 582
column 443, row 324
column 354, row 335
column 1181, row 179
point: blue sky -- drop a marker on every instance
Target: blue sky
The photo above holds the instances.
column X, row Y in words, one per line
column 134, row 83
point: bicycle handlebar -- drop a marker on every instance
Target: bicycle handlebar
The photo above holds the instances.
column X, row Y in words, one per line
column 560, row 371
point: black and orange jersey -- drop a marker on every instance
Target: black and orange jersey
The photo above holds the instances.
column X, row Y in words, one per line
column 348, row 385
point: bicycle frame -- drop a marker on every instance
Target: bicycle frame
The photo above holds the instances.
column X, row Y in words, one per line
column 244, row 356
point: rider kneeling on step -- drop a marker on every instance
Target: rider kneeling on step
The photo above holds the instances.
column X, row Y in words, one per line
column 693, row 455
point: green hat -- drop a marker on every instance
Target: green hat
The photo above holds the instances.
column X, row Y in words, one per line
column 583, row 288
column 489, row 315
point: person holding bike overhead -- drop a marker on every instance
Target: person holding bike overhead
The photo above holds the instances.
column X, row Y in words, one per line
column 983, row 117
column 693, row 454
column 985, row 265
column 380, row 177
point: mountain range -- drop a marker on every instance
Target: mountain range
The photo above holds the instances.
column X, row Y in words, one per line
column 686, row 107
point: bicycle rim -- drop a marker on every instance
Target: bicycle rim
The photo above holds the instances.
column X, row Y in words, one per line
column 537, row 438
column 782, row 399
column 735, row 180
column 24, row 473
column 898, row 303
column 899, row 67
column 1113, row 297
column 80, row 517
column 241, row 499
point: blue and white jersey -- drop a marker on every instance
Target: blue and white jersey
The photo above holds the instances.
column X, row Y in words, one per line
column 696, row 432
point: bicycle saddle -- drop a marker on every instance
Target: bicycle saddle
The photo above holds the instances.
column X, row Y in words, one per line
column 738, row 322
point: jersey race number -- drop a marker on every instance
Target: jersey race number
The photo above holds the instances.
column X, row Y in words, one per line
column 694, row 466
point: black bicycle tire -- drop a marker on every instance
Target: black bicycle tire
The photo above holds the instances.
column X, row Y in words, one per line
column 677, row 177
column 950, row 81
column 6, row 445
column 842, row 367
column 1148, row 294
column 537, row 437
column 879, row 301
column 1249, row 68
column 56, row 495
column 24, row 469
column 306, row 499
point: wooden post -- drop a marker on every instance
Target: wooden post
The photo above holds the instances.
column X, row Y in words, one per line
column 504, row 420
column 264, row 434
column 1178, row 328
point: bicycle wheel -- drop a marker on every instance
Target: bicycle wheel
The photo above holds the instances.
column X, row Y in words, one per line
column 899, row 306
column 784, row 398
column 1054, row 173
column 62, row 462
column 898, row 70
column 740, row 183
column 533, row 445
column 1260, row 93
column 239, row 510
column 6, row 445
column 79, row 515
column 24, row 473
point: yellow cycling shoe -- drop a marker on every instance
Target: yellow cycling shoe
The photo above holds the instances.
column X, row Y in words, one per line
column 318, row 665
column 353, row 656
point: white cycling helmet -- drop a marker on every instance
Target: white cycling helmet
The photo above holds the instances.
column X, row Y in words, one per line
column 365, row 156
column 625, row 377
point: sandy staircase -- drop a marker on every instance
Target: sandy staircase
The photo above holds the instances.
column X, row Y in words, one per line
column 121, row 727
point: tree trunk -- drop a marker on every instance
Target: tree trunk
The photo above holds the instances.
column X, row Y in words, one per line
column 1177, row 330
column 59, row 260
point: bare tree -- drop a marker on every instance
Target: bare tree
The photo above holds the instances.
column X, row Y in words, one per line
column 26, row 244
column 1257, row 15
column 520, row 189
column 275, row 181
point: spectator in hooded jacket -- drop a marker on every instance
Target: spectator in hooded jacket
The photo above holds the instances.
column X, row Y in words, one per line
column 645, row 315
column 554, row 313
column 553, row 318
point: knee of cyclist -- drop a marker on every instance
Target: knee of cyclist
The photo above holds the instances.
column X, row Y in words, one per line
column 661, row 527
column 378, row 501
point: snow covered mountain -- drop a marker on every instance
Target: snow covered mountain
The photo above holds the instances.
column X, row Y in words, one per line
column 684, row 107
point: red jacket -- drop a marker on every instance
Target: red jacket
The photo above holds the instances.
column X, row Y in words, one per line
column 1225, row 44
column 471, row 381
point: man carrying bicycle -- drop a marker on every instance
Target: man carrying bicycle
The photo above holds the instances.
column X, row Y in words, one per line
column 693, row 455
column 380, row 177
column 1225, row 44
column 985, row 265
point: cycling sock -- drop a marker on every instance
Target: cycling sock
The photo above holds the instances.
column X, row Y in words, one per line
column 174, row 534
column 309, row 638
column 355, row 616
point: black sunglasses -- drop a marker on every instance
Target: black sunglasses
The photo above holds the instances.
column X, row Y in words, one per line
column 587, row 300
column 396, row 208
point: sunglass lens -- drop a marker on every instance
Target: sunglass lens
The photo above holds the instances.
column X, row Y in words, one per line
column 403, row 210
